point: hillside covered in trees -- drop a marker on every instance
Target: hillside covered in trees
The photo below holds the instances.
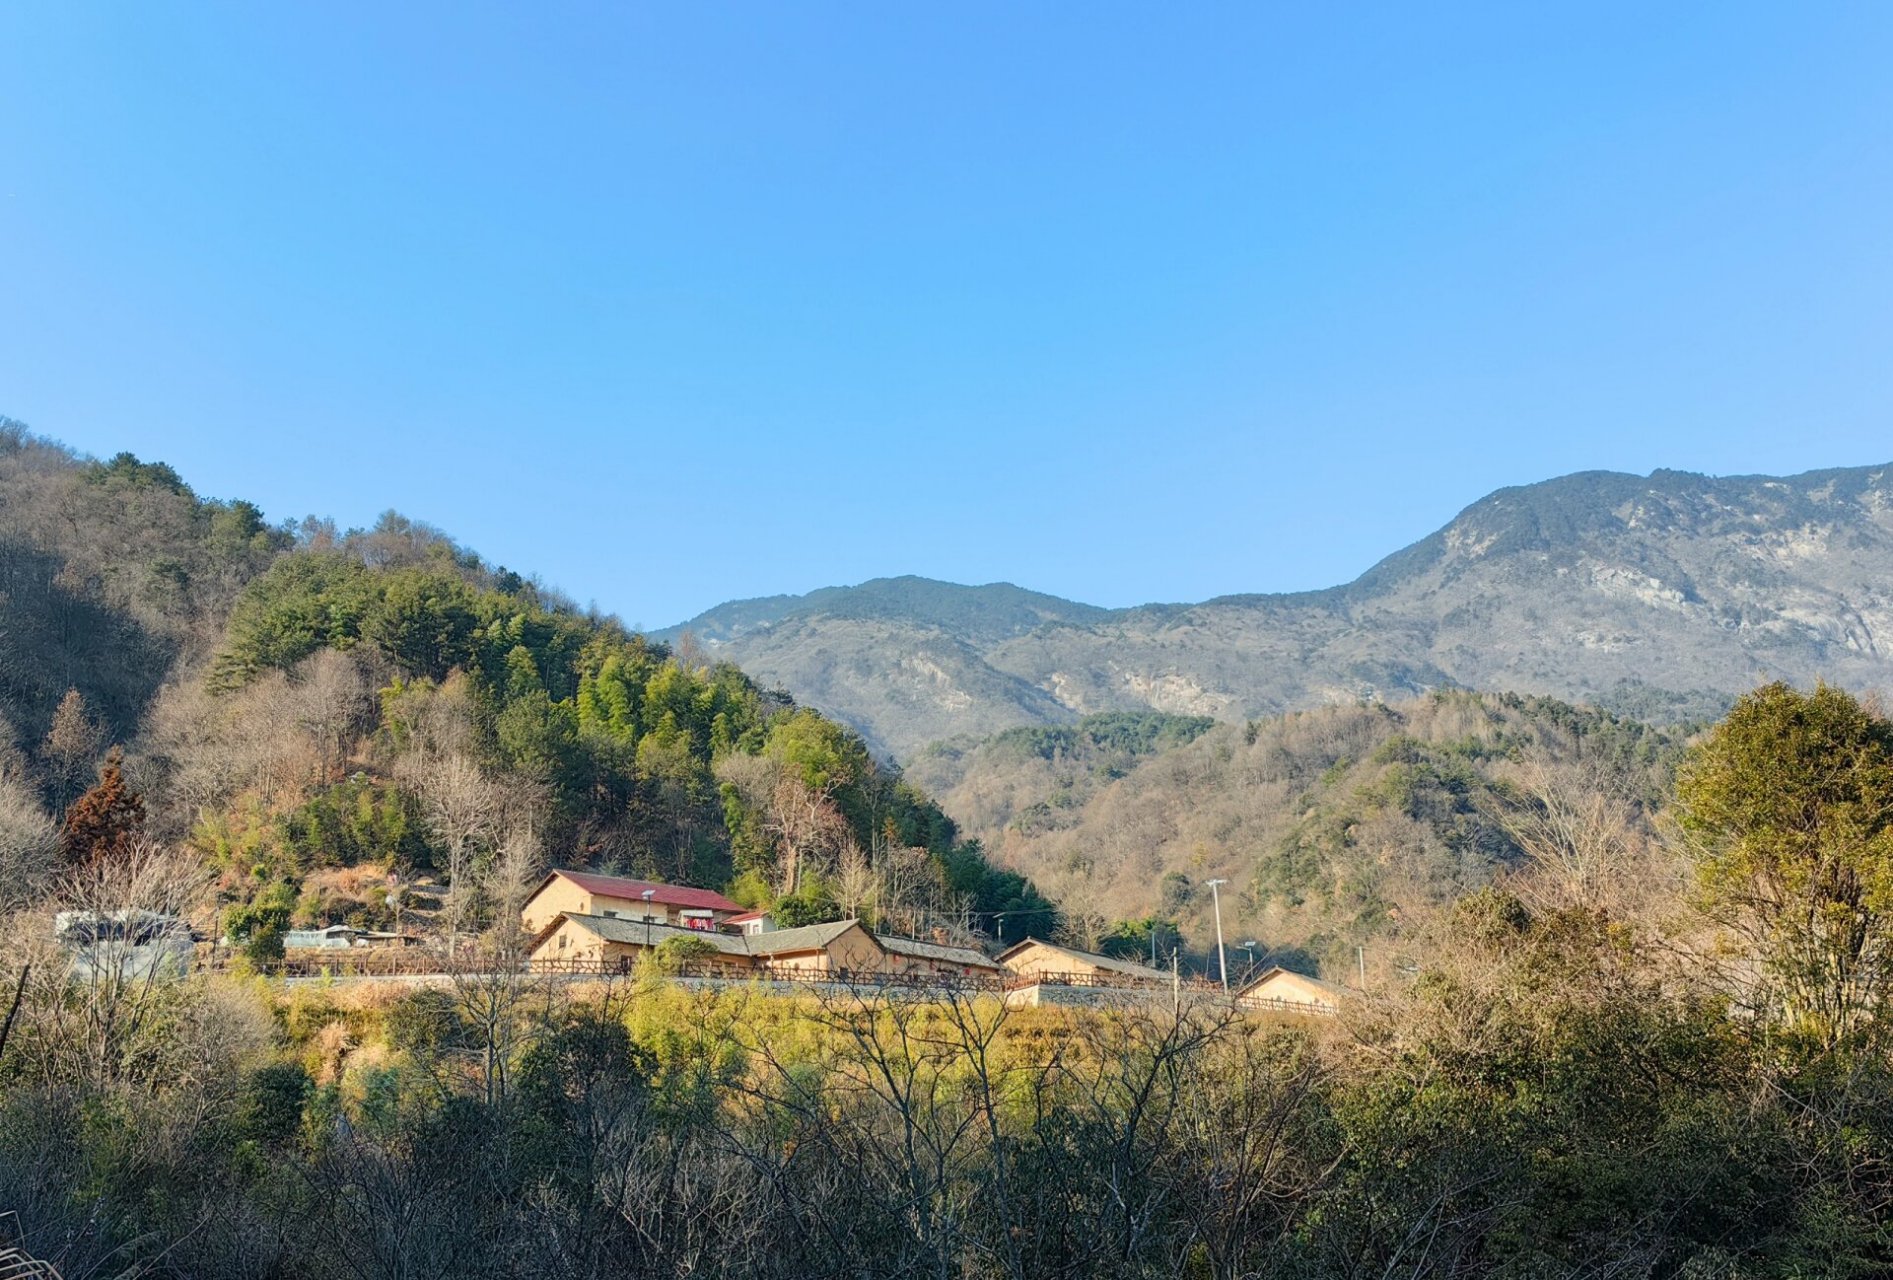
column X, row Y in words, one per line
column 1572, row 1078
column 375, row 727
column 1626, row 1007
column 1335, row 827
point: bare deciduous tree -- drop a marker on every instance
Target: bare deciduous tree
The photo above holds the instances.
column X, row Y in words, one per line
column 71, row 749
column 201, row 749
column 809, row 830
column 464, row 806
column 1587, row 839
column 29, row 846
column 515, row 871
column 501, row 1004
column 100, row 998
column 335, row 704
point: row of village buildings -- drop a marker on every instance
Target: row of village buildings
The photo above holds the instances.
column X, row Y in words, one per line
column 582, row 922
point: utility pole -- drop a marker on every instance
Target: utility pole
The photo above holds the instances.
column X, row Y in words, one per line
column 647, row 895
column 1222, row 961
column 1176, row 983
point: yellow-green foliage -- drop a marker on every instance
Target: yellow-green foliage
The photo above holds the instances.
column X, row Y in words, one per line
column 1789, row 804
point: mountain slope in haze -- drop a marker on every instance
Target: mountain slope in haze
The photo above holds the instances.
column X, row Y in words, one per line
column 991, row 613
column 1663, row 596
column 899, row 652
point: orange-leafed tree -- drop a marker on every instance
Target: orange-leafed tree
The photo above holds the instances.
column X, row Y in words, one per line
column 104, row 821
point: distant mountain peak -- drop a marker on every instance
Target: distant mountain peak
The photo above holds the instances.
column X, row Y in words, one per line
column 989, row 611
column 1678, row 587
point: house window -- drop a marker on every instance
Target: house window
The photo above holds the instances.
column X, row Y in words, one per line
column 564, row 942
column 612, row 914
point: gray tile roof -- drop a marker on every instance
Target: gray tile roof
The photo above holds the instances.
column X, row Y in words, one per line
column 808, row 937
column 937, row 951
column 636, row 933
column 812, row 937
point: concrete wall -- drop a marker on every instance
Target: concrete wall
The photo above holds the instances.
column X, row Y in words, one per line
column 1058, row 993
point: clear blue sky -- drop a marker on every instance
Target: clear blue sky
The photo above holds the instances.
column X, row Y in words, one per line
column 678, row 303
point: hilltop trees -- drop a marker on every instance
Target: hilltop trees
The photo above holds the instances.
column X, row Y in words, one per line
column 302, row 703
column 114, row 572
column 503, row 707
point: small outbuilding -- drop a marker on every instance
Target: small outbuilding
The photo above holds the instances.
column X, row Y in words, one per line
column 125, row 944
column 334, row 937
column 1285, row 990
column 1042, row 961
column 750, row 922
column 840, row 948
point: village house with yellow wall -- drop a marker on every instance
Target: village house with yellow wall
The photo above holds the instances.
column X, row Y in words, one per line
column 587, row 893
column 1284, row 990
column 582, row 922
column 1049, row 962
column 580, row 943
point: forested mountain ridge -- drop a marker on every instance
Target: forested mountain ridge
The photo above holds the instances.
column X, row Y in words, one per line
column 996, row 611
column 332, row 719
column 1332, row 827
column 1662, row 596
column 110, row 572
column 338, row 717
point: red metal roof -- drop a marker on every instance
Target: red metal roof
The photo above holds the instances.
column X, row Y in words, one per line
column 671, row 895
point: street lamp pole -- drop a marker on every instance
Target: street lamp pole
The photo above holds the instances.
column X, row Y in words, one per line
column 1249, row 946
column 1222, row 960
column 647, row 895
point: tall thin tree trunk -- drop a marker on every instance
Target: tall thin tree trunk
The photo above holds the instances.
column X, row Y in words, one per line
column 19, row 994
